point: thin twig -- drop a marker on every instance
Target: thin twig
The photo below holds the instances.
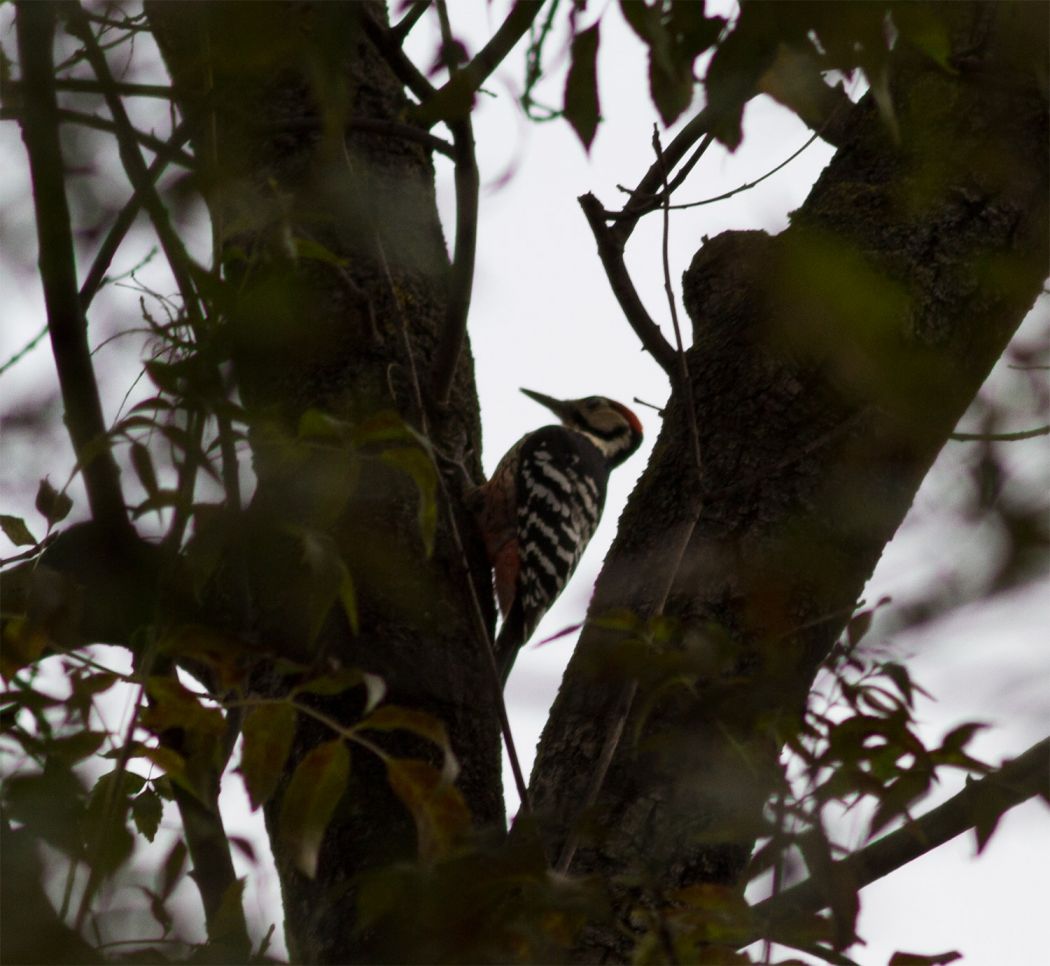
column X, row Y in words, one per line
column 747, row 185
column 686, row 382
column 454, row 99
column 1001, row 437
column 654, row 177
column 125, row 89
column 35, row 27
column 639, row 205
column 404, row 26
column 126, row 217
column 134, row 165
column 461, row 274
column 610, row 251
column 149, row 141
column 397, row 60
column 25, row 350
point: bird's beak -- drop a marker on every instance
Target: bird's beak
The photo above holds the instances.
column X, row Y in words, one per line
column 556, row 406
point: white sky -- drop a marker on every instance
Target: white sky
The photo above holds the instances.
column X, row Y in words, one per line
column 543, row 317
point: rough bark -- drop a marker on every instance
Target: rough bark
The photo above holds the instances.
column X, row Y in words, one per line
column 278, row 94
column 829, row 365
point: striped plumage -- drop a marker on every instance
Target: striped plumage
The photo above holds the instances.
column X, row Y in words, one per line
column 540, row 509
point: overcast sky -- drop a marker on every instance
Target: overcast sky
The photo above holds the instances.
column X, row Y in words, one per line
column 543, row 317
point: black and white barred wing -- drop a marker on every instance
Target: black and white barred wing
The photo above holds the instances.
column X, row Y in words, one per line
column 561, row 490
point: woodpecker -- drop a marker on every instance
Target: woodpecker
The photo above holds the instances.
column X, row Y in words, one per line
column 541, row 507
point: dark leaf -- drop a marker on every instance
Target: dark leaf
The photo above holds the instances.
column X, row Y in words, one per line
column 143, row 464
column 921, row 959
column 582, row 107
column 146, row 811
column 51, row 504
column 16, row 531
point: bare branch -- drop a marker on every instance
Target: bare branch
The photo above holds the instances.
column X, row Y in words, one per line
column 155, row 144
column 654, row 177
column 83, row 409
column 1015, row 782
column 610, row 251
column 454, row 99
column 403, row 68
column 683, row 366
column 461, row 276
column 1002, row 437
column 126, row 217
column 404, row 26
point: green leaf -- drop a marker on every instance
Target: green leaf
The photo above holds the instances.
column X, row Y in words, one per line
column 320, row 425
column 146, row 811
column 268, row 732
column 440, row 814
column 76, row 747
column 51, row 504
column 395, row 718
column 313, row 793
column 307, row 248
column 582, row 107
column 16, row 531
column 418, row 465
column 348, row 598
column 920, row 26
column 341, row 680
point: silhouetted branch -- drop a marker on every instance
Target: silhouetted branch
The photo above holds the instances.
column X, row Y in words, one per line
column 403, row 68
column 461, row 275
column 454, row 99
column 610, row 251
column 125, row 218
column 35, row 28
column 404, row 26
column 650, row 184
column 1015, row 782
column 1002, row 437
column 155, row 144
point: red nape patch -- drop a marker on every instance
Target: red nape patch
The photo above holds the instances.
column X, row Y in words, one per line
column 632, row 419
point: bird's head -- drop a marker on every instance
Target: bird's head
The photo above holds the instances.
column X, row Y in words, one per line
column 610, row 425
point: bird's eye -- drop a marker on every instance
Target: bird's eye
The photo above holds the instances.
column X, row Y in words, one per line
column 593, row 402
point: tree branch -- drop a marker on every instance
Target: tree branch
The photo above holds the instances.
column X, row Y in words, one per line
column 403, row 68
column 1002, row 437
column 404, row 26
column 610, row 251
column 126, row 217
column 134, row 165
column 63, row 114
column 641, row 198
column 454, row 99
column 35, row 27
column 461, row 276
column 1015, row 782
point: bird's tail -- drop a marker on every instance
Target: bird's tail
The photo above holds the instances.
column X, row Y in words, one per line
column 512, row 636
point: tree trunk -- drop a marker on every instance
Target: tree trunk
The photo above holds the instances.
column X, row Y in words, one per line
column 828, row 367
column 333, row 245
